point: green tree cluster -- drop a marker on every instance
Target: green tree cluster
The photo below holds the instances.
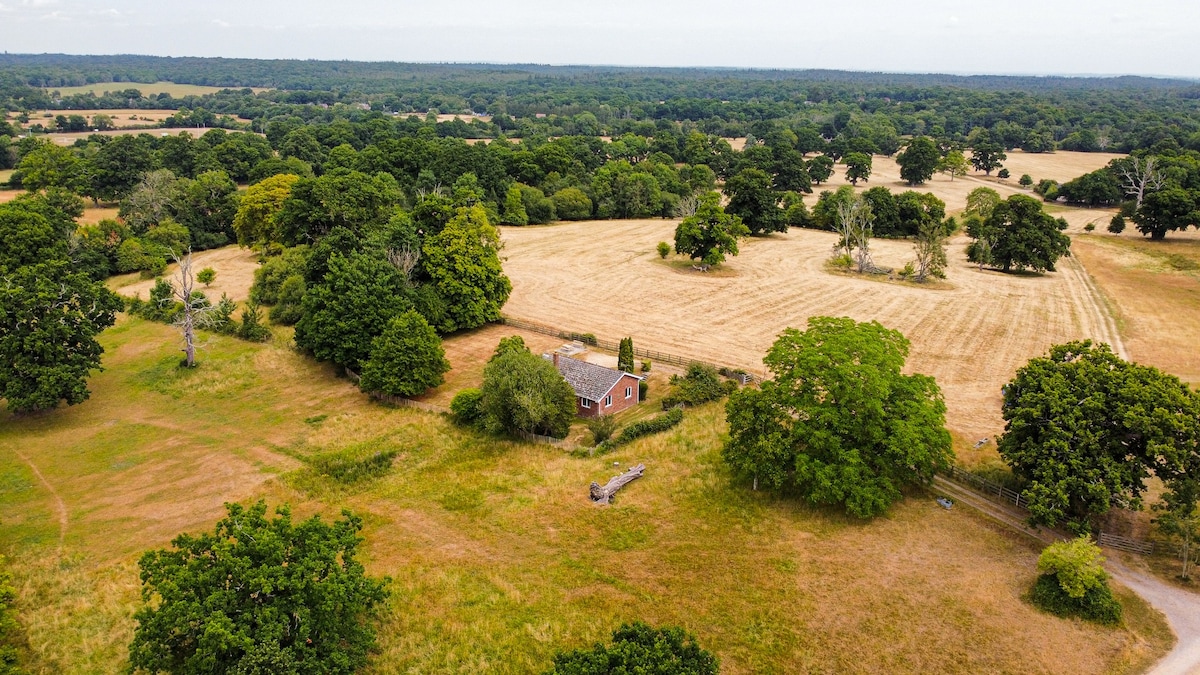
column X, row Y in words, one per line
column 639, row 648
column 839, row 422
column 524, row 392
column 710, row 234
column 1018, row 235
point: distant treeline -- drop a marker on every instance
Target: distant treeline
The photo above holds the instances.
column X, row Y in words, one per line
column 1037, row 114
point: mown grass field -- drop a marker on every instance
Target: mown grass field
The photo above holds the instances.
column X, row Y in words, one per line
column 497, row 557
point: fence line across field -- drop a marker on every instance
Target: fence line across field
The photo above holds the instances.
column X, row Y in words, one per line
column 591, row 339
column 993, row 490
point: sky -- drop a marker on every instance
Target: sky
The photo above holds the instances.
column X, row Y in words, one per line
column 1060, row 37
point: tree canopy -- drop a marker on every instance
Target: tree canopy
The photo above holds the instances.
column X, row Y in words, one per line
column 639, row 648
column 407, row 359
column 1018, row 235
column 524, row 392
column 839, row 422
column 258, row 595
column 1084, row 429
column 919, row 160
column 710, row 234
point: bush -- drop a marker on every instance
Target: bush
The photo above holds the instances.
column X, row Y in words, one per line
column 1089, row 227
column 639, row 648
column 1097, row 604
column 220, row 319
column 1074, row 583
column 664, row 249
column 252, row 328
column 646, row 366
column 1025, row 181
column 585, row 338
column 643, row 389
column 290, row 306
column 700, row 385
column 602, row 428
column 653, row 425
column 466, row 407
column 1003, row 174
column 1117, row 224
column 206, row 276
column 843, row 261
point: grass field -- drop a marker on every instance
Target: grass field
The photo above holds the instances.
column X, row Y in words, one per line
column 147, row 89
column 497, row 557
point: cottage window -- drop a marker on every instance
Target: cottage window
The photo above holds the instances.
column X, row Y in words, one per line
column 628, row 392
column 585, row 403
column 607, row 401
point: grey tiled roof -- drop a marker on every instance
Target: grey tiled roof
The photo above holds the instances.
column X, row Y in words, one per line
column 589, row 380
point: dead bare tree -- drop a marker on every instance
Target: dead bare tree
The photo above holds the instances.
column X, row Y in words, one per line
column 196, row 306
column 686, row 206
column 404, row 259
column 1103, row 139
column 1140, row 176
column 854, row 225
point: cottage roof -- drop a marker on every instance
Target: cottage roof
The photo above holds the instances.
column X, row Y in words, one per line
column 589, row 380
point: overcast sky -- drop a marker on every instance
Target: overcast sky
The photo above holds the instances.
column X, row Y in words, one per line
column 1146, row 37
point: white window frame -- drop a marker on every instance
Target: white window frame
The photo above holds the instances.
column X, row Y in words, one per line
column 584, row 402
column 608, row 401
column 628, row 392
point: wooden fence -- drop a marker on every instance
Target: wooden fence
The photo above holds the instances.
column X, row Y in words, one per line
column 996, row 492
column 654, row 356
column 1126, row 544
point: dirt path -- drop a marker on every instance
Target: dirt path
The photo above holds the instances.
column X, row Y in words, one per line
column 59, row 504
column 1181, row 608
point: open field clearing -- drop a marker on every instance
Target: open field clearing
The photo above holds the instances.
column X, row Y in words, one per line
column 122, row 118
column 147, row 88
column 1060, row 166
column 497, row 557
column 234, row 266
column 1154, row 289
column 971, row 336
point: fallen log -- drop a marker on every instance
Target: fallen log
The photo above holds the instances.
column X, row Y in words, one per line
column 604, row 494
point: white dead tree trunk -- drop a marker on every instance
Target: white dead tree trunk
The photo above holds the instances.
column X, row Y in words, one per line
column 686, row 206
column 404, row 259
column 854, row 225
column 1103, row 139
column 1139, row 177
column 195, row 305
column 930, row 248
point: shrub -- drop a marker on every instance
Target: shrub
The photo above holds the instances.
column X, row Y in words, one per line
column 700, row 385
column 639, row 648
column 1097, row 604
column 664, row 249
column 907, row 271
column 641, row 428
column 1003, row 174
column 466, row 407
column 1089, row 227
column 1117, row 224
column 585, row 338
column 220, row 319
column 1073, row 582
column 602, row 428
column 252, row 328
column 843, row 261
column 646, row 366
column 643, row 389
column 289, row 308
column 1025, row 181
column 206, row 276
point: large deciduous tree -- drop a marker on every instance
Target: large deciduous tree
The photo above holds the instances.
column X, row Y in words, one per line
column 919, row 160
column 254, row 221
column 463, row 262
column 258, row 595
column 709, row 234
column 1165, row 210
column 1084, row 429
column 987, row 157
column 752, row 199
column 50, row 315
column 858, row 167
column 1018, row 235
column 839, row 422
column 524, row 392
column 406, row 360
column 352, row 305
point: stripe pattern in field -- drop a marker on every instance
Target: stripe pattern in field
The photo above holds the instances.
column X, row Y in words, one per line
column 971, row 334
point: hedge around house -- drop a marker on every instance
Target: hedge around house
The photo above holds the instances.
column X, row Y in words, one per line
column 636, row 430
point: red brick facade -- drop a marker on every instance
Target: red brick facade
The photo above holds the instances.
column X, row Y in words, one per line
column 622, row 397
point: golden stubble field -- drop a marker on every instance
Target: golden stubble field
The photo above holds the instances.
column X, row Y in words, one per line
column 971, row 334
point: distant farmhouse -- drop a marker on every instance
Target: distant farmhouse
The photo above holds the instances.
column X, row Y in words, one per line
column 598, row 390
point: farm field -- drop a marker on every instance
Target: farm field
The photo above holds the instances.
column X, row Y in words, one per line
column 147, row 88
column 234, row 266
column 498, row 559
column 122, row 118
column 1154, row 290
